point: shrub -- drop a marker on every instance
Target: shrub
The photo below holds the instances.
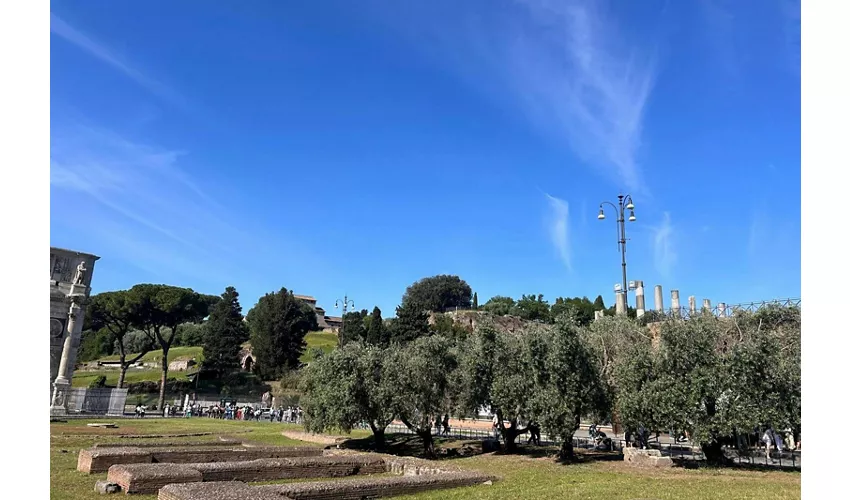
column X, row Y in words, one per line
column 98, row 382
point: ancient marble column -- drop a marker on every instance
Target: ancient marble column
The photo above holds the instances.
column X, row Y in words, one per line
column 721, row 309
column 63, row 383
column 75, row 334
column 640, row 300
column 706, row 306
column 674, row 302
column 659, row 299
column 692, row 305
column 621, row 308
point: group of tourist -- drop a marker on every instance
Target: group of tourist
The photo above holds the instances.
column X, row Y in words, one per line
column 778, row 440
column 233, row 412
column 170, row 410
column 638, row 438
column 768, row 440
column 229, row 411
column 444, row 424
column 292, row 415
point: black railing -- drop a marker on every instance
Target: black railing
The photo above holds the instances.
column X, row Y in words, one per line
column 676, row 451
column 727, row 311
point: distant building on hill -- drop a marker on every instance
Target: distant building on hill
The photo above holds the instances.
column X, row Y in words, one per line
column 326, row 323
column 334, row 324
column 181, row 365
column 306, row 298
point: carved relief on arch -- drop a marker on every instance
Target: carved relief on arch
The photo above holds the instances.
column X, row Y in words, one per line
column 57, row 328
column 62, row 269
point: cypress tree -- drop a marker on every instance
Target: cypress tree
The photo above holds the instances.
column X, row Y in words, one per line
column 410, row 323
column 599, row 304
column 375, row 335
column 225, row 331
column 278, row 325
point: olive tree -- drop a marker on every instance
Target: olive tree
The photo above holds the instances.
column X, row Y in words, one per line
column 494, row 372
column 713, row 377
column 423, row 373
column 347, row 386
column 567, row 381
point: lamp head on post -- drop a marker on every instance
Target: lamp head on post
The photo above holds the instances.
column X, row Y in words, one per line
column 601, row 215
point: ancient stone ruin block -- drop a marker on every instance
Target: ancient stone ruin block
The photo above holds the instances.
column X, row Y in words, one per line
column 350, row 489
column 168, row 444
column 646, row 458
column 149, row 478
column 372, row 487
column 224, row 473
column 101, row 458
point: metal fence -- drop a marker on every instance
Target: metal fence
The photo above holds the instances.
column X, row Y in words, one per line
column 724, row 311
column 96, row 401
column 676, row 451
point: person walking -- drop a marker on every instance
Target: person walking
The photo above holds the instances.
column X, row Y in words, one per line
column 767, row 439
column 446, row 425
column 534, row 431
column 778, row 440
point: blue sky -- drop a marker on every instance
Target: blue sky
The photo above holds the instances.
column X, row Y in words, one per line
column 342, row 147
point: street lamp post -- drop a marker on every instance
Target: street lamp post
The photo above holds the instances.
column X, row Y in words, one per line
column 346, row 304
column 624, row 202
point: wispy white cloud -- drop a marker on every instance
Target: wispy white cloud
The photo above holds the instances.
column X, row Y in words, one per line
column 575, row 73
column 142, row 183
column 564, row 64
column 101, row 51
column 148, row 209
column 664, row 247
column 559, row 229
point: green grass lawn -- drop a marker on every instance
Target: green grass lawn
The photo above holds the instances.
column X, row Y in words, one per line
column 84, row 378
column 522, row 476
column 315, row 340
column 319, row 340
column 174, row 354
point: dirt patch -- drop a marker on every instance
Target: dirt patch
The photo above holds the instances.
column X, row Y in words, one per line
column 314, row 438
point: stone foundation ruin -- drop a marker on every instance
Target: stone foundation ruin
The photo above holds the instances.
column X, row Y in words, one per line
column 100, row 459
column 645, row 458
column 223, row 470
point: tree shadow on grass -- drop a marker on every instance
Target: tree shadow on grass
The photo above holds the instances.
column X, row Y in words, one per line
column 582, row 456
column 409, row 445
